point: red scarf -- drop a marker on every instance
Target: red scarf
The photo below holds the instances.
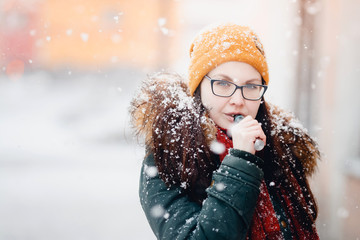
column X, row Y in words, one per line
column 265, row 224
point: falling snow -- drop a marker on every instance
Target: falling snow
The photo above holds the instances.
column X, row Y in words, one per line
column 157, row 211
column 84, row 37
column 151, row 171
column 69, row 32
column 217, row 147
column 220, row 186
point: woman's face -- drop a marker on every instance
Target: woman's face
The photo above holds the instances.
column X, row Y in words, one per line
column 223, row 109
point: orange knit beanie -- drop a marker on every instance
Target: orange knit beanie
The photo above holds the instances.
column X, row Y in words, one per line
column 223, row 43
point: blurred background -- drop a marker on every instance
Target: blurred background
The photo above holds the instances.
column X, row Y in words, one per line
column 69, row 166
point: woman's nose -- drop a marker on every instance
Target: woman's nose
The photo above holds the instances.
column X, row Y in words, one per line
column 237, row 98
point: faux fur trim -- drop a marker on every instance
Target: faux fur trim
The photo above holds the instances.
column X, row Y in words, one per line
column 292, row 134
column 154, row 96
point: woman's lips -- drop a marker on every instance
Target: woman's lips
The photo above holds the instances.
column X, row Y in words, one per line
column 230, row 117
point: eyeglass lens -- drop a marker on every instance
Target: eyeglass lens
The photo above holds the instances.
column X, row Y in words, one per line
column 226, row 89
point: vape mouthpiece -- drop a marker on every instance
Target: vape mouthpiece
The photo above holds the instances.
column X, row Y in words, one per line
column 238, row 118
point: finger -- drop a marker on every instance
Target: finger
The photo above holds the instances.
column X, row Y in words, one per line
column 262, row 137
column 250, row 128
column 249, row 123
column 254, row 134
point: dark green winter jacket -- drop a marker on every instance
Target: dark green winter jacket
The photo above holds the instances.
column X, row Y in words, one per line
column 225, row 214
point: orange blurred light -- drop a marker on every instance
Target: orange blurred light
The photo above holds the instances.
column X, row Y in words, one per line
column 15, row 69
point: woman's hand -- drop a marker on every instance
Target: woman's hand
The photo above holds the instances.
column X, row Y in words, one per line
column 245, row 132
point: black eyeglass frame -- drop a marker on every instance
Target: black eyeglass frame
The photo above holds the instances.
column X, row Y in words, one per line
column 237, row 87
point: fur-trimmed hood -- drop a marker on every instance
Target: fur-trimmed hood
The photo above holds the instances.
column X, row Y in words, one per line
column 164, row 99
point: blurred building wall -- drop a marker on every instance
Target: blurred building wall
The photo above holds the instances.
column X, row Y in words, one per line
column 17, row 45
column 88, row 34
column 336, row 118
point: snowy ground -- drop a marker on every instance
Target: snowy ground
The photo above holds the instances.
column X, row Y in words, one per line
column 69, row 167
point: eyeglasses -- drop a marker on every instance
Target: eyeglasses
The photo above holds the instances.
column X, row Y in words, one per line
column 223, row 88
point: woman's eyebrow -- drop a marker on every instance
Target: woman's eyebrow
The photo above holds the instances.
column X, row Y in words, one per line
column 255, row 81
column 222, row 76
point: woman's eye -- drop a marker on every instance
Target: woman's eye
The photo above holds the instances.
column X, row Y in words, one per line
column 223, row 83
column 251, row 86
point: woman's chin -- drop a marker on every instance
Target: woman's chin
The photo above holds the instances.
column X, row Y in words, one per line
column 225, row 125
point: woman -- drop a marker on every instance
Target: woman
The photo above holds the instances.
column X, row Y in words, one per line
column 202, row 177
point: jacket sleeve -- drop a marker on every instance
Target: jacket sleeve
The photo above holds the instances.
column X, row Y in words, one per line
column 225, row 214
